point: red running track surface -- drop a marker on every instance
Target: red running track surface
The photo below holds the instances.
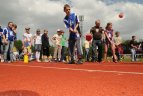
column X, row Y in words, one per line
column 59, row 79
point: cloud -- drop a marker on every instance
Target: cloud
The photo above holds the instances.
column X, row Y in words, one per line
column 49, row 14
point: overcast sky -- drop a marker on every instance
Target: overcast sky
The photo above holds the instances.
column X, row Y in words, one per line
column 48, row 14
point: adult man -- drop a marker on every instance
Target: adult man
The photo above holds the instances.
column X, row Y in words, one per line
column 134, row 48
column 97, row 33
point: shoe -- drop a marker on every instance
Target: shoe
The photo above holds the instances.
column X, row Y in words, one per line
column 59, row 60
column 115, row 61
column 63, row 61
column 2, row 60
column 93, row 60
column 71, row 62
column 54, row 60
column 38, row 61
column 9, row 61
column 79, row 62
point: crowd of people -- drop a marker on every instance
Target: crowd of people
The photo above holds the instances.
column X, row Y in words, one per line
column 101, row 37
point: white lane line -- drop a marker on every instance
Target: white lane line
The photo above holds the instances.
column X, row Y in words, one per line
column 86, row 70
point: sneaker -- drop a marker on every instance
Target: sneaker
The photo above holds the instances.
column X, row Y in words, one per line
column 63, row 61
column 9, row 61
column 2, row 60
column 38, row 61
column 79, row 62
column 93, row 60
column 59, row 60
column 71, row 62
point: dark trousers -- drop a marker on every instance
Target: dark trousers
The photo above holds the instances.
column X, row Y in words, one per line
column 71, row 48
column 118, row 54
column 63, row 53
column 95, row 44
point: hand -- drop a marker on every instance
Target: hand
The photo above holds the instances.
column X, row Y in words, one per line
column 71, row 30
column 23, row 47
column 75, row 30
column 5, row 42
column 111, row 42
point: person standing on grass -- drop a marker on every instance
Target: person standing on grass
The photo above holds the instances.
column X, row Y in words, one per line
column 133, row 47
column 109, row 33
column 45, row 46
column 38, row 44
column 63, row 47
column 27, row 41
column 118, row 42
column 57, row 38
column 72, row 23
column 9, row 37
column 97, row 41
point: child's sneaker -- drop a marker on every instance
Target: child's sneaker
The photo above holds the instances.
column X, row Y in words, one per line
column 38, row 61
column 2, row 60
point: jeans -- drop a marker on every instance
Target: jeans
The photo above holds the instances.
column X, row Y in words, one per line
column 118, row 52
column 87, row 54
column 63, row 53
column 133, row 54
column 95, row 44
column 9, row 46
column 79, row 48
column 1, row 48
column 71, row 48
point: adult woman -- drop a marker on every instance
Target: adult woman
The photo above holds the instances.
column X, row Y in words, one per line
column 109, row 41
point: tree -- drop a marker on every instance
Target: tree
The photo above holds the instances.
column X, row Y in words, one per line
column 18, row 44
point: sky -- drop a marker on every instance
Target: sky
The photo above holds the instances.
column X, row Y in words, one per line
column 48, row 14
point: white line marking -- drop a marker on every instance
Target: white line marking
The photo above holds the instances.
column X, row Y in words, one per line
column 86, row 70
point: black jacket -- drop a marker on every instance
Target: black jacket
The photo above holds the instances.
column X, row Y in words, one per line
column 45, row 40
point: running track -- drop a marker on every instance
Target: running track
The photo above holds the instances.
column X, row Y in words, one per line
column 59, row 79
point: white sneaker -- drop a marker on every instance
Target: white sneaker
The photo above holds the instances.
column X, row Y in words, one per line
column 2, row 60
column 38, row 61
column 63, row 61
column 9, row 61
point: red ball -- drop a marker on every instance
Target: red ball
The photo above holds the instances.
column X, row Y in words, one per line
column 88, row 37
column 121, row 15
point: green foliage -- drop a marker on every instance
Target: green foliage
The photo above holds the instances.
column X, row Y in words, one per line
column 18, row 44
column 126, row 46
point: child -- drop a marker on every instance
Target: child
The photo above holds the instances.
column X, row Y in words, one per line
column 63, row 41
column 57, row 45
column 72, row 23
column 118, row 42
column 27, row 41
column 38, row 44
